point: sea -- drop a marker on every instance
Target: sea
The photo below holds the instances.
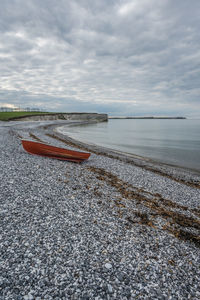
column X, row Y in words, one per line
column 172, row 141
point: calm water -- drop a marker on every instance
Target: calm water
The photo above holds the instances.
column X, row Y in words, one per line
column 172, row 141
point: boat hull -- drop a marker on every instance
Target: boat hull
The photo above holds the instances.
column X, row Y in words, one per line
column 41, row 149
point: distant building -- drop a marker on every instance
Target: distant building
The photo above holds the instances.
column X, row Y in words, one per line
column 7, row 108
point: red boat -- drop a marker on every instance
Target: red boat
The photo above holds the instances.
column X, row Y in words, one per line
column 54, row 152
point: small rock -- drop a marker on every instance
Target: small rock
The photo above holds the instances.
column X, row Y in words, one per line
column 108, row 266
column 28, row 297
column 110, row 289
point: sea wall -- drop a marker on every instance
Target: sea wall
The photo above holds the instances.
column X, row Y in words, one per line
column 66, row 116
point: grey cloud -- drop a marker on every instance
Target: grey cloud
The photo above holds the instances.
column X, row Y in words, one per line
column 115, row 56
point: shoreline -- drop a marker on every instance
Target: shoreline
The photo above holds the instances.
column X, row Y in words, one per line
column 103, row 149
column 148, row 118
column 177, row 173
column 112, row 227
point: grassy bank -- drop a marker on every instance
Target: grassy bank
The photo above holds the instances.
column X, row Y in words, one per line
column 7, row 116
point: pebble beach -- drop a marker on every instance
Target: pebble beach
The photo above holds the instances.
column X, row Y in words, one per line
column 113, row 227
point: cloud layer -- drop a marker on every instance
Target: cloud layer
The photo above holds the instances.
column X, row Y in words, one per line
column 120, row 57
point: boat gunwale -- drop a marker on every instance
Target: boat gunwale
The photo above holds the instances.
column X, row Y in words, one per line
column 54, row 151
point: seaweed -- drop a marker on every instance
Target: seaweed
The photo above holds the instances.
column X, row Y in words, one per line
column 178, row 222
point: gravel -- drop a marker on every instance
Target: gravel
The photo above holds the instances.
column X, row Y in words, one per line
column 103, row 229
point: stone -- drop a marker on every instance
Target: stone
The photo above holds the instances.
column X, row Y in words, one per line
column 108, row 266
column 110, row 289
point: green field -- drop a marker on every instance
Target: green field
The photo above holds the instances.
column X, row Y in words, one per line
column 7, row 116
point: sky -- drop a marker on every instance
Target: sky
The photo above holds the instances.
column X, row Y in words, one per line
column 121, row 57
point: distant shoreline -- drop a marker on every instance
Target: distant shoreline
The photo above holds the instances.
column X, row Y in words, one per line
column 149, row 118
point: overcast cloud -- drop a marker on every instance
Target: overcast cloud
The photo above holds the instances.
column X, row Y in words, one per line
column 122, row 57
